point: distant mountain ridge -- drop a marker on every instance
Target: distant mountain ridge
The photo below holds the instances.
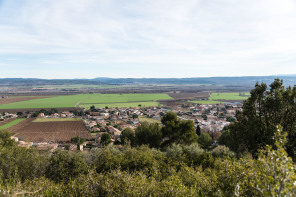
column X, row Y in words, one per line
column 244, row 80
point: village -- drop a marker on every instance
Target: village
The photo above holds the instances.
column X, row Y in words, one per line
column 206, row 118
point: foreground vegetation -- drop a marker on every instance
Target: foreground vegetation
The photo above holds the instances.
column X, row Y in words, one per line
column 180, row 170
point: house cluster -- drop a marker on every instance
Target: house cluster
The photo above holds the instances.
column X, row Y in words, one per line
column 6, row 115
column 210, row 118
column 64, row 114
column 115, row 120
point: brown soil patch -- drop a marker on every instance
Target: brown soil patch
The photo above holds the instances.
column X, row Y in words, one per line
column 197, row 95
column 38, row 109
column 18, row 99
column 21, row 124
column 6, row 121
column 52, row 131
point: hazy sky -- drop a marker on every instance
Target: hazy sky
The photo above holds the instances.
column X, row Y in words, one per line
column 146, row 38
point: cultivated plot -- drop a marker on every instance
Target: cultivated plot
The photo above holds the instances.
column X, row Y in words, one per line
column 149, row 120
column 11, row 123
column 58, row 131
column 86, row 100
column 217, row 98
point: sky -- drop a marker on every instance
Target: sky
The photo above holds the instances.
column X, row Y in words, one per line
column 145, row 38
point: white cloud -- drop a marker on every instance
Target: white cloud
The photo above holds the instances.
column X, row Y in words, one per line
column 191, row 38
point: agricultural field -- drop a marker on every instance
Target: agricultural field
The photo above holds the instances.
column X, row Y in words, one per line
column 198, row 95
column 52, row 131
column 11, row 123
column 6, row 121
column 15, row 99
column 87, row 100
column 120, row 105
column 217, row 98
column 55, row 119
column 149, row 120
column 229, row 96
column 80, row 86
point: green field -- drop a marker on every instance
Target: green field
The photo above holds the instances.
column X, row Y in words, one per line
column 149, row 120
column 79, row 86
column 14, row 122
column 217, row 98
column 229, row 96
column 86, row 100
column 56, row 119
column 128, row 104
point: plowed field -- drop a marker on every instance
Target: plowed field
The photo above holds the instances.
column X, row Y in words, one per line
column 5, row 121
column 52, row 131
column 18, row 99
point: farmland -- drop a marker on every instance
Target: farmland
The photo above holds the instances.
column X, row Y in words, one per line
column 229, row 96
column 217, row 98
column 55, row 119
column 5, row 121
column 18, row 99
column 52, row 131
column 127, row 104
column 86, row 100
column 11, row 123
column 81, row 86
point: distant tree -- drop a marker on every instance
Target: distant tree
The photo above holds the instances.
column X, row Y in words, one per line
column 197, row 130
column 139, row 105
column 78, row 141
column 204, row 116
column 134, row 116
column 127, row 135
column 205, row 140
column 149, row 134
column 92, row 108
column 225, row 138
column 177, row 131
column 230, row 119
column 105, row 139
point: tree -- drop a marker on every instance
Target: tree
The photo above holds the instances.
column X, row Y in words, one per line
column 262, row 112
column 105, row 139
column 5, row 139
column 92, row 108
column 197, row 130
column 177, row 131
column 127, row 135
column 135, row 116
column 64, row 165
column 205, row 140
column 78, row 140
column 277, row 175
column 230, row 119
column 149, row 134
